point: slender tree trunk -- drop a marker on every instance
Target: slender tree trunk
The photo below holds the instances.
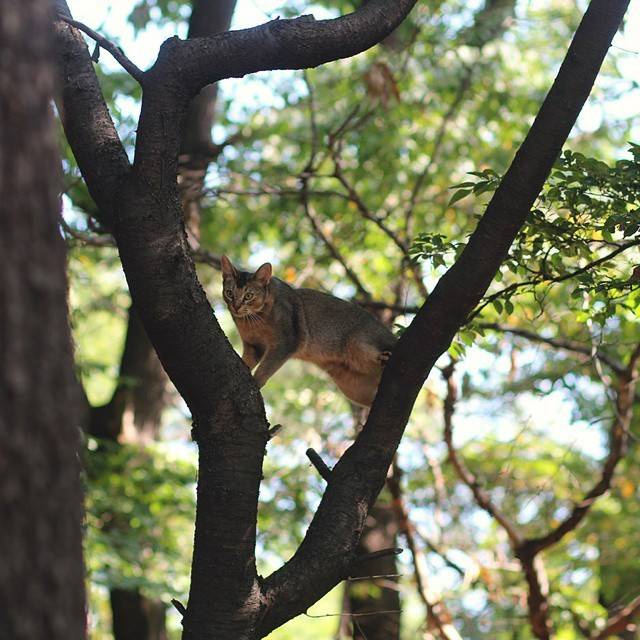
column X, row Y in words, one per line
column 41, row 572
column 197, row 149
column 377, row 591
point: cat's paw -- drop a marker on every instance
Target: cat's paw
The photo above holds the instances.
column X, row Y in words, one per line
column 383, row 357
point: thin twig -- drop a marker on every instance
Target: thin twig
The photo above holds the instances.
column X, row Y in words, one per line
column 319, row 464
column 618, row 440
column 304, row 177
column 352, row 615
column 549, row 280
column 375, row 555
column 354, row 196
column 556, row 343
column 438, row 140
column 92, row 240
column 134, row 71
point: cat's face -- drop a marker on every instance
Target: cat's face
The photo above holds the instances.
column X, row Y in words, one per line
column 246, row 294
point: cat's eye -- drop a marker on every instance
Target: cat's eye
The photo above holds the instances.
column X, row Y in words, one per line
column 249, row 295
column 228, row 293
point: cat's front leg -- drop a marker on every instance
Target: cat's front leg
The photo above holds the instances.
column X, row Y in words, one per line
column 250, row 355
column 272, row 360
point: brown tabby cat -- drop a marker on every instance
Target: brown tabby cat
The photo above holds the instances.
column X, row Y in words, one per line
column 277, row 322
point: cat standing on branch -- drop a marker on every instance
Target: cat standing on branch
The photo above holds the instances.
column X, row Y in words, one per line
column 277, row 322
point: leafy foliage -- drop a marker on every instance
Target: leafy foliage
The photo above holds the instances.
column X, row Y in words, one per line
column 140, row 514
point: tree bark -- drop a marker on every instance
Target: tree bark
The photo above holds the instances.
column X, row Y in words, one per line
column 134, row 412
column 41, row 573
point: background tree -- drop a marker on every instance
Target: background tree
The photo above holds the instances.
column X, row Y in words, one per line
column 41, row 580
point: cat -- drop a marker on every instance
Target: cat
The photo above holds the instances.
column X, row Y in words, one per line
column 277, row 322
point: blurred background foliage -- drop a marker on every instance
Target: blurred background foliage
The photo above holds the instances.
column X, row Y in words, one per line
column 366, row 164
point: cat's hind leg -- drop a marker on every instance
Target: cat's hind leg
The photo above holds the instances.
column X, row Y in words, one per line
column 364, row 355
column 359, row 387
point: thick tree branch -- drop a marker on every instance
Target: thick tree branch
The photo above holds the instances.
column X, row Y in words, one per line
column 184, row 67
column 228, row 414
column 326, row 552
column 88, row 126
column 300, row 43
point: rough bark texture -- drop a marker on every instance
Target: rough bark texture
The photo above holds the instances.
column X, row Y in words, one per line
column 41, row 571
column 134, row 412
column 227, row 599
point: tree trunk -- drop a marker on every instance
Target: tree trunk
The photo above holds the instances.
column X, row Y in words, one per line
column 378, row 594
column 136, row 617
column 134, row 412
column 41, row 573
column 197, row 149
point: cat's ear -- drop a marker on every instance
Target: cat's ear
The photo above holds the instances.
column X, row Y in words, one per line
column 263, row 274
column 228, row 270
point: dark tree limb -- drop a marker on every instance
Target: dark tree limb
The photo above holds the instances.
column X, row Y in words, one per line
column 321, row 466
column 299, row 43
column 184, row 67
column 87, row 123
